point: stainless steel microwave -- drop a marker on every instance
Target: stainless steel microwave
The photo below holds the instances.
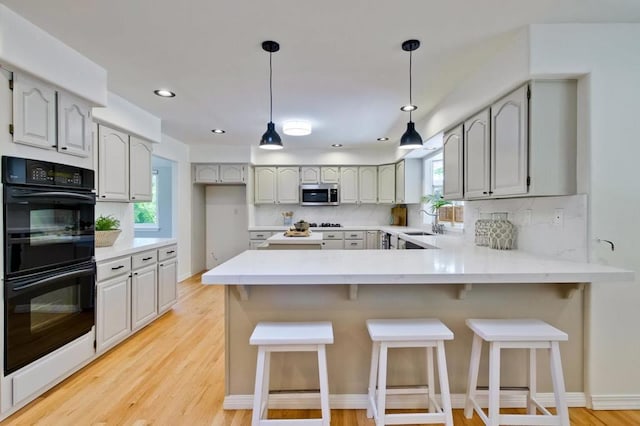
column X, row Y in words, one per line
column 319, row 195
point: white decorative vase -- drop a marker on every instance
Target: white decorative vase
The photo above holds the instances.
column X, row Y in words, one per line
column 107, row 238
column 502, row 233
column 482, row 230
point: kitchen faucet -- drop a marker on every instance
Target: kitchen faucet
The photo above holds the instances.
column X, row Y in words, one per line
column 436, row 228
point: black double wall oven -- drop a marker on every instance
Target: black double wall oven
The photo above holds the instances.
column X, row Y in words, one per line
column 49, row 265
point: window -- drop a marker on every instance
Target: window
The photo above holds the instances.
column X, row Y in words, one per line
column 146, row 214
column 450, row 215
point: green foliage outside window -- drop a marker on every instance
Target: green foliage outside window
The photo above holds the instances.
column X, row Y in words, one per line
column 147, row 213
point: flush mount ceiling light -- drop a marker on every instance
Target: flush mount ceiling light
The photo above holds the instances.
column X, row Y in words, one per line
column 383, row 139
column 296, row 128
column 219, row 131
column 410, row 139
column 164, row 93
column 271, row 138
column 336, row 145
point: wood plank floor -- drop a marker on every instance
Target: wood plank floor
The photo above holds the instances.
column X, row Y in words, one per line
column 172, row 373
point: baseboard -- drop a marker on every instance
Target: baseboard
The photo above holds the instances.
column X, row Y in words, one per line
column 305, row 401
column 615, row 402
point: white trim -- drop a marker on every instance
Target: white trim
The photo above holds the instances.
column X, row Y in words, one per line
column 305, row 401
column 615, row 402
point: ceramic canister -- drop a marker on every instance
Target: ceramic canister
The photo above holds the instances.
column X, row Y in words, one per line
column 502, row 233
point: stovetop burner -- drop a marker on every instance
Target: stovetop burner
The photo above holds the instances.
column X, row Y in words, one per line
column 325, row 225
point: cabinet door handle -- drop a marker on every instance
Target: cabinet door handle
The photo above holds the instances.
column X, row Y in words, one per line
column 117, row 267
column 144, row 259
column 135, row 273
column 64, row 148
column 133, row 198
column 485, row 192
column 171, row 251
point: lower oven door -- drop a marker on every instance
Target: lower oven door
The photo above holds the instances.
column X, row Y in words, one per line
column 47, row 311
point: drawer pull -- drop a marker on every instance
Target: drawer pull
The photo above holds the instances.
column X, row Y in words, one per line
column 354, row 244
column 115, row 268
column 171, row 251
column 144, row 259
column 354, row 235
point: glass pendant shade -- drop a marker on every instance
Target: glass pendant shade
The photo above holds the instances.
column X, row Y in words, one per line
column 271, row 139
column 410, row 139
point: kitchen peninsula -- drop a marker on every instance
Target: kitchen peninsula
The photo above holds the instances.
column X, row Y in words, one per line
column 454, row 282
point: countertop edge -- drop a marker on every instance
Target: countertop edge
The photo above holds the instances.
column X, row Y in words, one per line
column 135, row 246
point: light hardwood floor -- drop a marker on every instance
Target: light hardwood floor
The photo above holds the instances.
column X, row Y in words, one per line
column 172, row 373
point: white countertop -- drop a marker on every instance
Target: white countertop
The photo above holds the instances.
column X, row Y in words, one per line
column 456, row 262
column 124, row 248
column 280, row 238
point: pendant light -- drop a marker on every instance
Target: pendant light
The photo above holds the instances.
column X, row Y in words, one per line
column 410, row 139
column 271, row 138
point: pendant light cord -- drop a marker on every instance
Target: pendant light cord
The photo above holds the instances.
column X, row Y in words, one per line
column 270, row 89
column 410, row 86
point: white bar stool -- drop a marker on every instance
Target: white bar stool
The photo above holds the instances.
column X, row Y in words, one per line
column 529, row 334
column 289, row 337
column 408, row 333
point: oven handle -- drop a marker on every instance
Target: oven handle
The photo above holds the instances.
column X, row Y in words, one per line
column 72, row 195
column 66, row 275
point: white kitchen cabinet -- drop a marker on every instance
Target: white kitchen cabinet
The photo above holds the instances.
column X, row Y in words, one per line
column 349, row 185
column 34, row 112
column 144, row 296
column 477, row 156
column 368, row 184
column 453, row 161
column 265, row 185
column 372, row 240
column 257, row 238
column 113, row 165
column 354, row 240
column 74, row 125
column 387, row 184
column 288, row 185
column 310, row 175
column 113, row 311
column 140, row 170
column 409, row 181
column 167, row 280
column 219, row 173
column 332, row 244
column 329, row 174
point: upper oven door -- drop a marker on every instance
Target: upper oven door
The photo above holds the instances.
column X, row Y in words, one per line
column 45, row 228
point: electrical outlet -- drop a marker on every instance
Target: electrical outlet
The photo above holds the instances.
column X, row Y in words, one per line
column 558, row 218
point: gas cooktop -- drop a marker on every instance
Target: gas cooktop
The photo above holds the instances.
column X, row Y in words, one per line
column 325, row 225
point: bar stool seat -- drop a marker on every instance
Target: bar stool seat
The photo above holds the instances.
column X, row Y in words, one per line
column 529, row 334
column 408, row 333
column 290, row 337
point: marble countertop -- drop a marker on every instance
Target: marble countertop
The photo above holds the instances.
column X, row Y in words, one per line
column 280, row 238
column 456, row 262
column 124, row 248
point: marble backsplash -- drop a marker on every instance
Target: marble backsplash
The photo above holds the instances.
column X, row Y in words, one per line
column 537, row 232
column 345, row 214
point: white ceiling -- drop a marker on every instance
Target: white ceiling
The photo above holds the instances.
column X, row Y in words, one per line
column 340, row 64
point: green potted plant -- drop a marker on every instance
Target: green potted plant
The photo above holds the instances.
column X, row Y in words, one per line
column 107, row 230
column 436, row 200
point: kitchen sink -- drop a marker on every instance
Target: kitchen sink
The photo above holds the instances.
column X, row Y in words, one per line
column 417, row 233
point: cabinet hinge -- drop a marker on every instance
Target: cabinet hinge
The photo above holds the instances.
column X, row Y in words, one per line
column 10, row 84
column 528, row 180
column 95, row 345
column 11, row 128
column 528, row 92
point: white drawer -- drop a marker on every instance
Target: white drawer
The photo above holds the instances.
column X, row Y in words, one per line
column 259, row 235
column 143, row 259
column 354, row 235
column 332, row 244
column 354, row 244
column 332, row 235
column 167, row 252
column 113, row 268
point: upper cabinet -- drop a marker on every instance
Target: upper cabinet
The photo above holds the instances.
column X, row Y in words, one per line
column 368, row 184
column 277, row 185
column 219, row 173
column 386, row 184
column 330, row 174
column 325, row 174
column 524, row 144
column 349, row 185
column 35, row 109
column 310, row 175
column 124, row 166
column 409, row 181
column 453, row 162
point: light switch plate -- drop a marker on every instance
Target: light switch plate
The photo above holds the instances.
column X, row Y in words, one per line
column 558, row 218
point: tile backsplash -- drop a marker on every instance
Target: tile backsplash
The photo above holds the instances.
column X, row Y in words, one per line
column 345, row 214
column 537, row 230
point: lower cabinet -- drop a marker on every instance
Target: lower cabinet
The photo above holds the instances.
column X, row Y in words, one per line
column 113, row 311
column 167, row 290
column 144, row 296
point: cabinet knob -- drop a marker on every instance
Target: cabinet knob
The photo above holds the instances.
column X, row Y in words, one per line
column 104, row 196
column 64, row 148
column 485, row 192
column 133, row 198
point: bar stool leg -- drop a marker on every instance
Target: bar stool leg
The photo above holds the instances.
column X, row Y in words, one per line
column 472, row 380
column 494, row 384
column 373, row 371
column 324, row 385
column 382, row 384
column 444, row 384
column 431, row 379
column 558, row 384
column 533, row 384
column 258, row 398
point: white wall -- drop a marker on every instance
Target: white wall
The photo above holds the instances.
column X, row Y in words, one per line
column 610, row 54
column 226, row 223
column 122, row 114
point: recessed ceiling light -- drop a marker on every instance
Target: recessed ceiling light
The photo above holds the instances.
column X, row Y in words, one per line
column 164, row 93
column 218, row 131
column 296, row 128
column 408, row 108
column 336, row 145
column 383, row 139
